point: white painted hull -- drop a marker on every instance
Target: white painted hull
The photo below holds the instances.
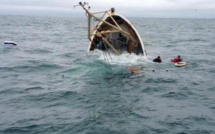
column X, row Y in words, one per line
column 126, row 26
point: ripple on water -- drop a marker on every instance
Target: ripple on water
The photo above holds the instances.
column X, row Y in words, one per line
column 49, row 84
column 175, row 95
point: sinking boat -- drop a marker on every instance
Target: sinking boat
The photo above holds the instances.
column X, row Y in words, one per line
column 111, row 32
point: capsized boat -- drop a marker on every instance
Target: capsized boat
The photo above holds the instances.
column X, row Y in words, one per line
column 10, row 43
column 112, row 33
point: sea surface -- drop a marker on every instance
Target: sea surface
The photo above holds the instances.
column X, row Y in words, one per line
column 50, row 84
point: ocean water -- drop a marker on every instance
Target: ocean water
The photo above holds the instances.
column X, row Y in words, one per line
column 50, row 84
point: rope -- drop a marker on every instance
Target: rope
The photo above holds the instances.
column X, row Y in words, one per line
column 107, row 51
column 105, row 58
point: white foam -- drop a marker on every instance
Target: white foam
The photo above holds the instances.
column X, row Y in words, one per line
column 124, row 59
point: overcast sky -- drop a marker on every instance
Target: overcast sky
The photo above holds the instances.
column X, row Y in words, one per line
column 129, row 8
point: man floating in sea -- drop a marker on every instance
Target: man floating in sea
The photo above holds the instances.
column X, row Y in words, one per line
column 134, row 70
column 158, row 59
column 177, row 59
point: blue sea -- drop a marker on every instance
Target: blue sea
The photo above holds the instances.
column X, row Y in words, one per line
column 50, row 84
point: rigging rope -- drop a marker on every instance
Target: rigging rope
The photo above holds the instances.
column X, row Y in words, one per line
column 106, row 57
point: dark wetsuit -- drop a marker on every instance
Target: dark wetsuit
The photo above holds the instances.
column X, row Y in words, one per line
column 157, row 60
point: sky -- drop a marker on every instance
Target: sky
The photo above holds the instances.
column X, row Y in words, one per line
column 129, row 8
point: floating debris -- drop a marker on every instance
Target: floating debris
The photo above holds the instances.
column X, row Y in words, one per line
column 10, row 43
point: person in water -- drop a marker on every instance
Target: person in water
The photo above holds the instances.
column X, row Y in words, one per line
column 101, row 45
column 158, row 59
column 134, row 70
column 177, row 59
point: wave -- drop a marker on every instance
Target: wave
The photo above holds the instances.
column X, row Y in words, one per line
column 189, row 41
column 30, row 68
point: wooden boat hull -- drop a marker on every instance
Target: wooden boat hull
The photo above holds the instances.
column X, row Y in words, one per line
column 113, row 33
column 121, row 41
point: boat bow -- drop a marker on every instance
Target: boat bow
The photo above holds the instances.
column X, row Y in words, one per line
column 112, row 32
